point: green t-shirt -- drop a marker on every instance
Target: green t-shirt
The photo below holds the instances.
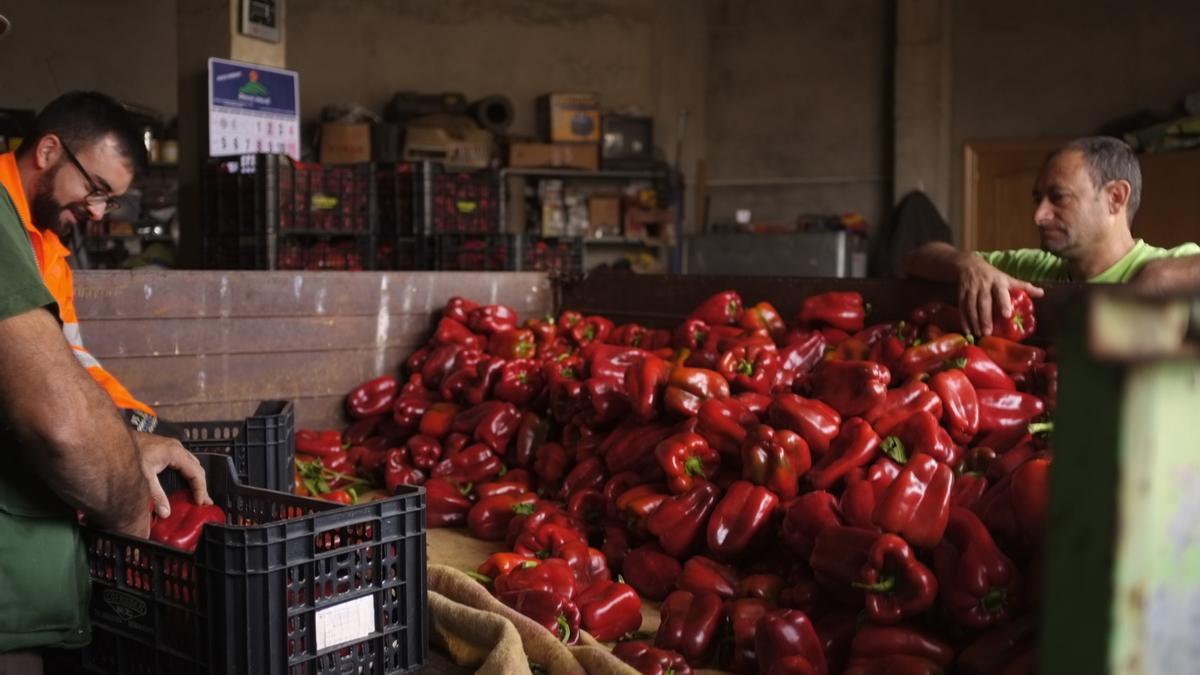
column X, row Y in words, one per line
column 1035, row 265
column 43, row 567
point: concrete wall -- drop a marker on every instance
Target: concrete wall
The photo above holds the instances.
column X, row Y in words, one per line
column 125, row 48
column 798, row 94
column 1027, row 68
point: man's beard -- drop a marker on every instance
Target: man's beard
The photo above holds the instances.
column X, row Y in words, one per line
column 46, row 211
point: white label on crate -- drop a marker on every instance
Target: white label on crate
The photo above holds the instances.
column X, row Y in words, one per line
column 347, row 622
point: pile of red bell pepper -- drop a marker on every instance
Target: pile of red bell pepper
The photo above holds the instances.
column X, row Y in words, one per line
column 825, row 495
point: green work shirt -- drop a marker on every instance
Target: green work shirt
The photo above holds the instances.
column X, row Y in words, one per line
column 1035, row 265
column 44, row 584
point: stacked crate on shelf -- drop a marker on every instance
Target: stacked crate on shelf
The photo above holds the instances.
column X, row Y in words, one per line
column 559, row 256
column 400, row 242
column 268, row 212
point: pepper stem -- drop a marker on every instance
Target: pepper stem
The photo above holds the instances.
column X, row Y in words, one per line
column 523, row 509
column 745, row 368
column 481, row 578
column 1041, row 428
column 693, row 466
column 884, row 585
column 893, row 447
column 994, row 600
column 564, row 629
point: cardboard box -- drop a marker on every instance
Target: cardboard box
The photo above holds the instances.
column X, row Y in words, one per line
column 584, row 156
column 604, row 216
column 345, row 143
column 570, row 118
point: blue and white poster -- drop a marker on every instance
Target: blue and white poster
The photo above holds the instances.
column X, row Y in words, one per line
column 252, row 109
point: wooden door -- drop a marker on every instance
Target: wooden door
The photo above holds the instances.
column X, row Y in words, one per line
column 998, row 187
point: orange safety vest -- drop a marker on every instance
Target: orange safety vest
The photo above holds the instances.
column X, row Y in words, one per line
column 56, row 273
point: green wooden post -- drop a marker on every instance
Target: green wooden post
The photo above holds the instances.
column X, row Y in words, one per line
column 1122, row 587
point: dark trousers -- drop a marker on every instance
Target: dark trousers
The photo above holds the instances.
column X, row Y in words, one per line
column 21, row 663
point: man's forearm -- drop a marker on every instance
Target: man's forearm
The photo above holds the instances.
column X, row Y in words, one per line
column 72, row 434
column 936, row 261
column 1168, row 275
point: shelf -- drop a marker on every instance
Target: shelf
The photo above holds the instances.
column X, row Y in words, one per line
column 579, row 173
column 625, row 242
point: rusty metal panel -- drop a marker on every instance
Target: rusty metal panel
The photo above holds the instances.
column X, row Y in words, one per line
column 207, row 345
column 663, row 300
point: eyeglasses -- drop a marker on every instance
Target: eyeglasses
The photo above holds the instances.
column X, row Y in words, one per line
column 98, row 195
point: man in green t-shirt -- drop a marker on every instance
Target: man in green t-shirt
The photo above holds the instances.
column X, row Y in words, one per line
column 1085, row 198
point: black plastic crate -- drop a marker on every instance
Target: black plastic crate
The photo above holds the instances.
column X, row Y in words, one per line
column 262, row 446
column 403, row 253
column 396, row 188
column 475, row 252
column 267, row 212
column 462, row 202
column 560, row 256
column 290, row 585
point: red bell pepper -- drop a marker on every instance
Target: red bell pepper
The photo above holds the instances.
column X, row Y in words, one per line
column 453, row 332
column 637, row 504
column 545, row 539
column 555, row 613
column 423, row 451
column 1013, row 357
column 459, row 308
column 801, row 352
column 649, row 660
column 743, row 615
column 750, row 367
column 763, row 316
column 837, row 559
column 488, row 519
column 758, row 404
column 651, row 572
column 805, row 595
column 502, row 563
column 612, row 361
column 841, row 310
column 999, row 646
column 851, row 387
column 740, row 518
column 490, row 319
column 959, row 401
column 940, row 314
column 372, row 398
column 530, row 518
column 816, row 422
column 685, row 457
column 689, row 624
column 520, row 382
column 897, row 585
column 513, row 343
column 472, row 385
column 340, row 496
column 691, row 335
column 999, row 409
column 866, row 487
column 629, row 335
column 360, row 430
column 981, row 370
column 631, row 446
column 475, row 464
column 701, row 575
column 588, row 474
column 183, row 527
column 545, row 330
column 605, row 402
column 397, row 473
column 550, row 464
column 1021, row 323
column 969, row 488
column 581, row 441
column 1030, row 487
column 688, row 389
column 806, row 517
column 408, row 411
column 917, row 504
column 679, row 521
column 850, row 349
column 444, row 360
column 1043, row 382
column 493, row 488
column 787, row 633
column 615, row 545
column 551, row 575
column 591, row 329
column 854, row 446
column 979, row 584
column 645, row 380
column 921, row 434
column 775, row 459
column 880, row 642
column 454, row 443
column 610, row 609
column 723, row 308
column 415, row 362
column 901, row 402
column 438, row 420
column 618, row 485
column 723, row 423
column 930, row 356
column 325, row 443
column 446, row 503
column 587, row 564
column 531, row 434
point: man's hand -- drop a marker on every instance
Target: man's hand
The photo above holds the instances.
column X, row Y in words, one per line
column 982, row 288
column 158, row 453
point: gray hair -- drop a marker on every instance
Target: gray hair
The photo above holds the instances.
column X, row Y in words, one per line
column 1110, row 159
